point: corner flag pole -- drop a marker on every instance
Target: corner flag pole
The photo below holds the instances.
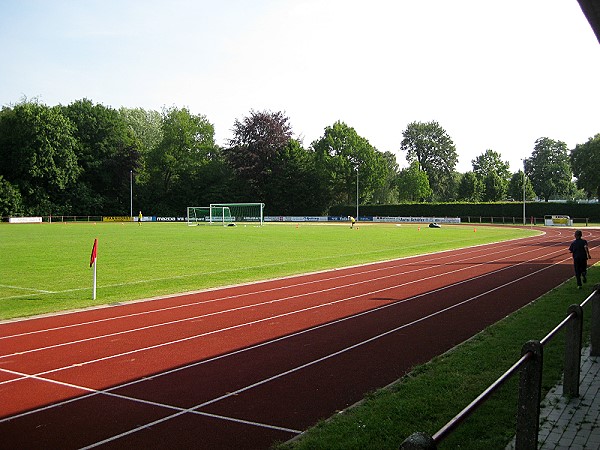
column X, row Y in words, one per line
column 93, row 261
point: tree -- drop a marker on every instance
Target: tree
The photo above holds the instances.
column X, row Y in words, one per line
column 177, row 164
column 470, row 187
column 253, row 151
column 107, row 152
column 387, row 193
column 585, row 161
column 11, row 203
column 340, row 153
column 491, row 161
column 549, row 169
column 413, row 184
column 494, row 187
column 430, row 145
column 515, row 187
column 294, row 186
column 37, row 149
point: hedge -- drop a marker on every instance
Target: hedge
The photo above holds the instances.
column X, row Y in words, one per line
column 509, row 210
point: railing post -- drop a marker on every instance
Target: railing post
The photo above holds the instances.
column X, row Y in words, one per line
column 573, row 336
column 530, row 391
column 595, row 323
column 418, row 441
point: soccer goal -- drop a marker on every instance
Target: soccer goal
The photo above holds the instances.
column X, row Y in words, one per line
column 242, row 212
column 197, row 215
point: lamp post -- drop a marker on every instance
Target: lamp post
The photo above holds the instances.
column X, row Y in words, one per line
column 131, row 194
column 357, row 192
column 523, row 192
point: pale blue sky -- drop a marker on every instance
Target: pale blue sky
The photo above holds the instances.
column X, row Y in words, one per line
column 495, row 75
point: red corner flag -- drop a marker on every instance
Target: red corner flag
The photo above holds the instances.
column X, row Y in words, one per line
column 94, row 252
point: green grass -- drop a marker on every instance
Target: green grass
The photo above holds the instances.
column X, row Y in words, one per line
column 433, row 393
column 45, row 267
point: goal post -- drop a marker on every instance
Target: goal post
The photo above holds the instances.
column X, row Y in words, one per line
column 242, row 212
column 197, row 215
column 220, row 214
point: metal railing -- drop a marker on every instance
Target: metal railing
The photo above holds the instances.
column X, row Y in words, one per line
column 530, row 367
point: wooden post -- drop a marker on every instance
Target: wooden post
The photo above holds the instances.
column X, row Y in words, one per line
column 573, row 337
column 595, row 327
column 530, row 391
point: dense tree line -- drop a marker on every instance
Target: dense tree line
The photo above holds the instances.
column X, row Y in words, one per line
column 83, row 158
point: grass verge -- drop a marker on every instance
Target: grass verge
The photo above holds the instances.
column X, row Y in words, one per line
column 433, row 393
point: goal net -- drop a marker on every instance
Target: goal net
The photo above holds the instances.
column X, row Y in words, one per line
column 197, row 215
column 242, row 212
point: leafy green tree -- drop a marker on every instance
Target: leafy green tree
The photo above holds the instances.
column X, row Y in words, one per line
column 549, row 168
column 294, row 185
column 37, row 150
column 494, row 187
column 470, row 187
column 146, row 126
column 515, row 187
column 491, row 161
column 340, row 153
column 494, row 174
column 413, row 184
column 585, row 161
column 431, row 146
column 387, row 192
column 11, row 203
column 107, row 152
column 177, row 165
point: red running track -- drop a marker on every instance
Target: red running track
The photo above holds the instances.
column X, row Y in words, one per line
column 249, row 365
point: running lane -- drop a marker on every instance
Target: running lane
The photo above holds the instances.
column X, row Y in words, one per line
column 246, row 366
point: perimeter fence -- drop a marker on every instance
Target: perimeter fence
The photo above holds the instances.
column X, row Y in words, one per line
column 516, row 220
column 493, row 220
column 529, row 367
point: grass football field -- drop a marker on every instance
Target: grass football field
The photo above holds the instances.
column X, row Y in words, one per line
column 45, row 267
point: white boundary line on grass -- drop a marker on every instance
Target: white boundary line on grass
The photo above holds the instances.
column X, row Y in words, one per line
column 22, row 288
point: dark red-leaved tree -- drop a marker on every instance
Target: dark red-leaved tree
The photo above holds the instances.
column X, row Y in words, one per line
column 254, row 150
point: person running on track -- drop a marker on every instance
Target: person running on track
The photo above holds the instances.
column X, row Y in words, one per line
column 581, row 253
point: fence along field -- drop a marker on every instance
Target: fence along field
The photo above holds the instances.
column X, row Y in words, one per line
column 45, row 267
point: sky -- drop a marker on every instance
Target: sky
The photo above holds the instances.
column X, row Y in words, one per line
column 495, row 75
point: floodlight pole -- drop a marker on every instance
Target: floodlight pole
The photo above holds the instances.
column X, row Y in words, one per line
column 131, row 194
column 357, row 192
column 523, row 192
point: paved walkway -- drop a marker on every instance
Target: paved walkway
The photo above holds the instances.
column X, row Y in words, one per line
column 572, row 424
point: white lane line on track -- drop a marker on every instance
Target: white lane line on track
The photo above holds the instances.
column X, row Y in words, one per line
column 310, row 363
column 440, row 256
column 94, row 392
column 252, row 306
